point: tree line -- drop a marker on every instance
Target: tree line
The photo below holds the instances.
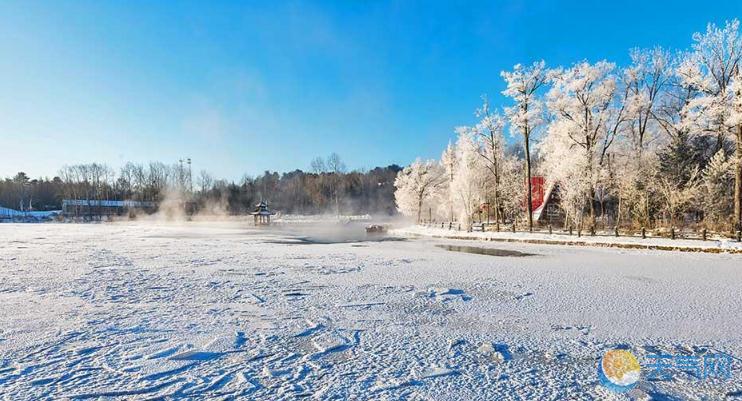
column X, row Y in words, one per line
column 327, row 188
column 654, row 143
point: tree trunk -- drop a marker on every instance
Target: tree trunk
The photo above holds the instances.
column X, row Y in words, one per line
column 528, row 182
column 497, row 200
column 450, row 182
column 419, row 207
column 591, row 193
column 592, row 206
column 738, row 181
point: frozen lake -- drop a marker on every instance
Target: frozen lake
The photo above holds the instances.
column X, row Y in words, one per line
column 223, row 311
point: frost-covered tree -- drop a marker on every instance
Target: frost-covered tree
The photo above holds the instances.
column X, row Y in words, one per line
column 643, row 143
column 415, row 185
column 717, row 189
column 735, row 122
column 645, row 81
column 489, row 134
column 511, row 187
column 711, row 69
column 585, row 122
column 525, row 117
column 469, row 178
column 678, row 200
column 636, row 189
column 644, row 85
column 448, row 160
column 671, row 113
column 566, row 167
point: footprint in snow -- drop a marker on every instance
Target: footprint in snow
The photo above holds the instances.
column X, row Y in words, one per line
column 239, row 339
column 496, row 352
column 447, row 294
column 312, row 328
column 524, row 295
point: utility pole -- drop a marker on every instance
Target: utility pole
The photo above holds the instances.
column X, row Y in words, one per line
column 190, row 177
column 181, row 177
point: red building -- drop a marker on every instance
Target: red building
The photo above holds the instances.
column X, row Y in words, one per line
column 537, row 192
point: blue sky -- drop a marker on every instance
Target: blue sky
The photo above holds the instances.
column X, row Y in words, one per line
column 243, row 87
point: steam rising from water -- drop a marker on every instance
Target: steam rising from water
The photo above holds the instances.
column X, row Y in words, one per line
column 174, row 208
column 324, row 232
column 311, row 229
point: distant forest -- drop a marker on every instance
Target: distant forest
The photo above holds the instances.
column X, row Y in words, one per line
column 327, row 188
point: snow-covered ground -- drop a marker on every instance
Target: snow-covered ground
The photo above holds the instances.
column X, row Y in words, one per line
column 712, row 244
column 223, row 311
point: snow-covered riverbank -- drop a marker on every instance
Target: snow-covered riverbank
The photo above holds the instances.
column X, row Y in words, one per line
column 218, row 310
column 712, row 245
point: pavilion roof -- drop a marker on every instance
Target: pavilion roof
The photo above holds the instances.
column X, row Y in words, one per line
column 261, row 209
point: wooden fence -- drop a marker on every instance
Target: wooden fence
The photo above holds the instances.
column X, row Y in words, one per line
column 671, row 233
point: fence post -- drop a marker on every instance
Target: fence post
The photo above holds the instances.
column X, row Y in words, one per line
column 672, row 232
column 644, row 233
column 513, row 226
column 549, row 229
column 615, row 230
column 570, row 230
column 704, row 234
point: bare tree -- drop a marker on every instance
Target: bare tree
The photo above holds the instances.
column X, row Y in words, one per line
column 318, row 165
column 205, row 181
column 336, row 168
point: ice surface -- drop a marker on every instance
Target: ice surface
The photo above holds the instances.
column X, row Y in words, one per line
column 223, row 311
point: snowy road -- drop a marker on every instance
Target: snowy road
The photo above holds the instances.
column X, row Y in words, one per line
column 222, row 311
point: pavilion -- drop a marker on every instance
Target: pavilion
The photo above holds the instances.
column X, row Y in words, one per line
column 262, row 214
